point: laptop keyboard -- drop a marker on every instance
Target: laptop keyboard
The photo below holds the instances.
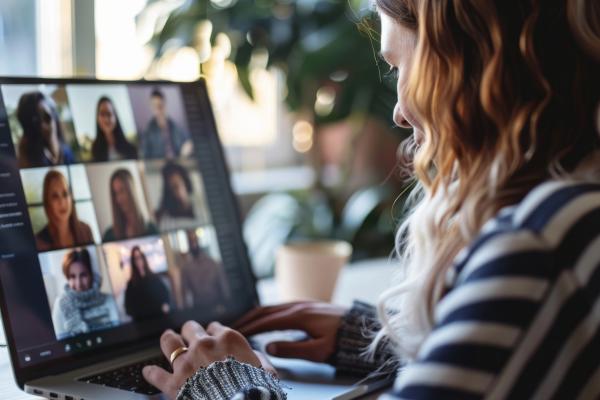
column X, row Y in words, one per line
column 130, row 377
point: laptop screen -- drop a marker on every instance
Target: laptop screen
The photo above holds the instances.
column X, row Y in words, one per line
column 116, row 216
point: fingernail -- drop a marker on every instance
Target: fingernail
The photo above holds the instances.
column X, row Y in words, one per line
column 271, row 348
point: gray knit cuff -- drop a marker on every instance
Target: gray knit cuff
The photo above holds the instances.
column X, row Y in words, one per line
column 359, row 327
column 223, row 379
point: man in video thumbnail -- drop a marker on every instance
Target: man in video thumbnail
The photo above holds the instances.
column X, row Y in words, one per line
column 202, row 277
column 163, row 138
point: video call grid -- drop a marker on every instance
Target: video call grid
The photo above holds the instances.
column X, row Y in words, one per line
column 99, row 258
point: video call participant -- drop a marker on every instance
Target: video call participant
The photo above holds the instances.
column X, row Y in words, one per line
column 43, row 142
column 146, row 294
column 64, row 229
column 163, row 138
column 176, row 200
column 202, row 277
column 110, row 143
column 81, row 307
column 128, row 220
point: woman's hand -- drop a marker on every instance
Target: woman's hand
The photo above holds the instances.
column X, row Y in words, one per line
column 320, row 321
column 216, row 343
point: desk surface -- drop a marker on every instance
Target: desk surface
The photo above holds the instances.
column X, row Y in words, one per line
column 362, row 281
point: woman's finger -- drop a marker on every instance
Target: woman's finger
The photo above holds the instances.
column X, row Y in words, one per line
column 273, row 322
column 266, row 364
column 216, row 329
column 260, row 312
column 158, row 377
column 316, row 350
column 169, row 342
column 192, row 331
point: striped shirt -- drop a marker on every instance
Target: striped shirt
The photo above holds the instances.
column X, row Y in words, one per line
column 521, row 317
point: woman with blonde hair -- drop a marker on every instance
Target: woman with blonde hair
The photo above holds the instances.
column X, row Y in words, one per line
column 498, row 295
column 128, row 220
column 64, row 229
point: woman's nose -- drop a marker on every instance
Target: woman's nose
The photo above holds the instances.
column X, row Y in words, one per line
column 399, row 118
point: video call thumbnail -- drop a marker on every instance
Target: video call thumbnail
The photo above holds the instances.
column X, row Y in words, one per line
column 78, row 291
column 60, row 207
column 139, row 276
column 160, row 121
column 178, row 199
column 198, row 275
column 41, row 125
column 120, row 200
column 104, row 122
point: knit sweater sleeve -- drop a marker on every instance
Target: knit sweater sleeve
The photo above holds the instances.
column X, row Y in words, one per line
column 231, row 380
column 359, row 326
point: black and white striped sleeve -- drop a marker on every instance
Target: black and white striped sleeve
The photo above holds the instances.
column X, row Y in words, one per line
column 478, row 324
column 521, row 320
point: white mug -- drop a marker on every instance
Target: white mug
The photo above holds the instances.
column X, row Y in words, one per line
column 310, row 269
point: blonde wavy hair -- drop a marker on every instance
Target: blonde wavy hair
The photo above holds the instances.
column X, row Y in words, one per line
column 508, row 93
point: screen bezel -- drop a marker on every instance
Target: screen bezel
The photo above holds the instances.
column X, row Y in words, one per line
column 65, row 364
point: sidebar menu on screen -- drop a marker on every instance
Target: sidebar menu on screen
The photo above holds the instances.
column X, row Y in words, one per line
column 21, row 280
column 13, row 212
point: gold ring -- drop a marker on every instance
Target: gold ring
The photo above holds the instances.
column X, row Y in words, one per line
column 176, row 354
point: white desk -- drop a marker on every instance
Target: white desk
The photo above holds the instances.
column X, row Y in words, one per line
column 363, row 280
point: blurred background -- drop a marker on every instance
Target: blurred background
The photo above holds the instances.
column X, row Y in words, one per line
column 297, row 87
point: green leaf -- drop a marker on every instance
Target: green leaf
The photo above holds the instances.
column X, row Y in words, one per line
column 245, row 81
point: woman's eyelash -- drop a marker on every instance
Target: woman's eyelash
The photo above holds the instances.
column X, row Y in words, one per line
column 392, row 73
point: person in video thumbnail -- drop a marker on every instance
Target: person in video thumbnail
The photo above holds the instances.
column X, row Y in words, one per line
column 202, row 277
column 128, row 221
column 176, row 200
column 163, row 138
column 110, row 143
column 64, row 229
column 145, row 295
column 82, row 308
column 43, row 142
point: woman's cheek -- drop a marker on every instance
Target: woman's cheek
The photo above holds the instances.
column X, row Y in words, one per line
column 55, row 206
column 69, row 206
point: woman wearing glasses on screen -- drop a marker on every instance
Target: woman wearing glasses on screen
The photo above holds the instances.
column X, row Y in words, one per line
column 146, row 295
column 43, row 142
column 64, row 229
column 110, row 143
column 81, row 307
column 498, row 290
column 128, row 220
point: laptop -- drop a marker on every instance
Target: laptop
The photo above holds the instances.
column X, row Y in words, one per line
column 118, row 221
